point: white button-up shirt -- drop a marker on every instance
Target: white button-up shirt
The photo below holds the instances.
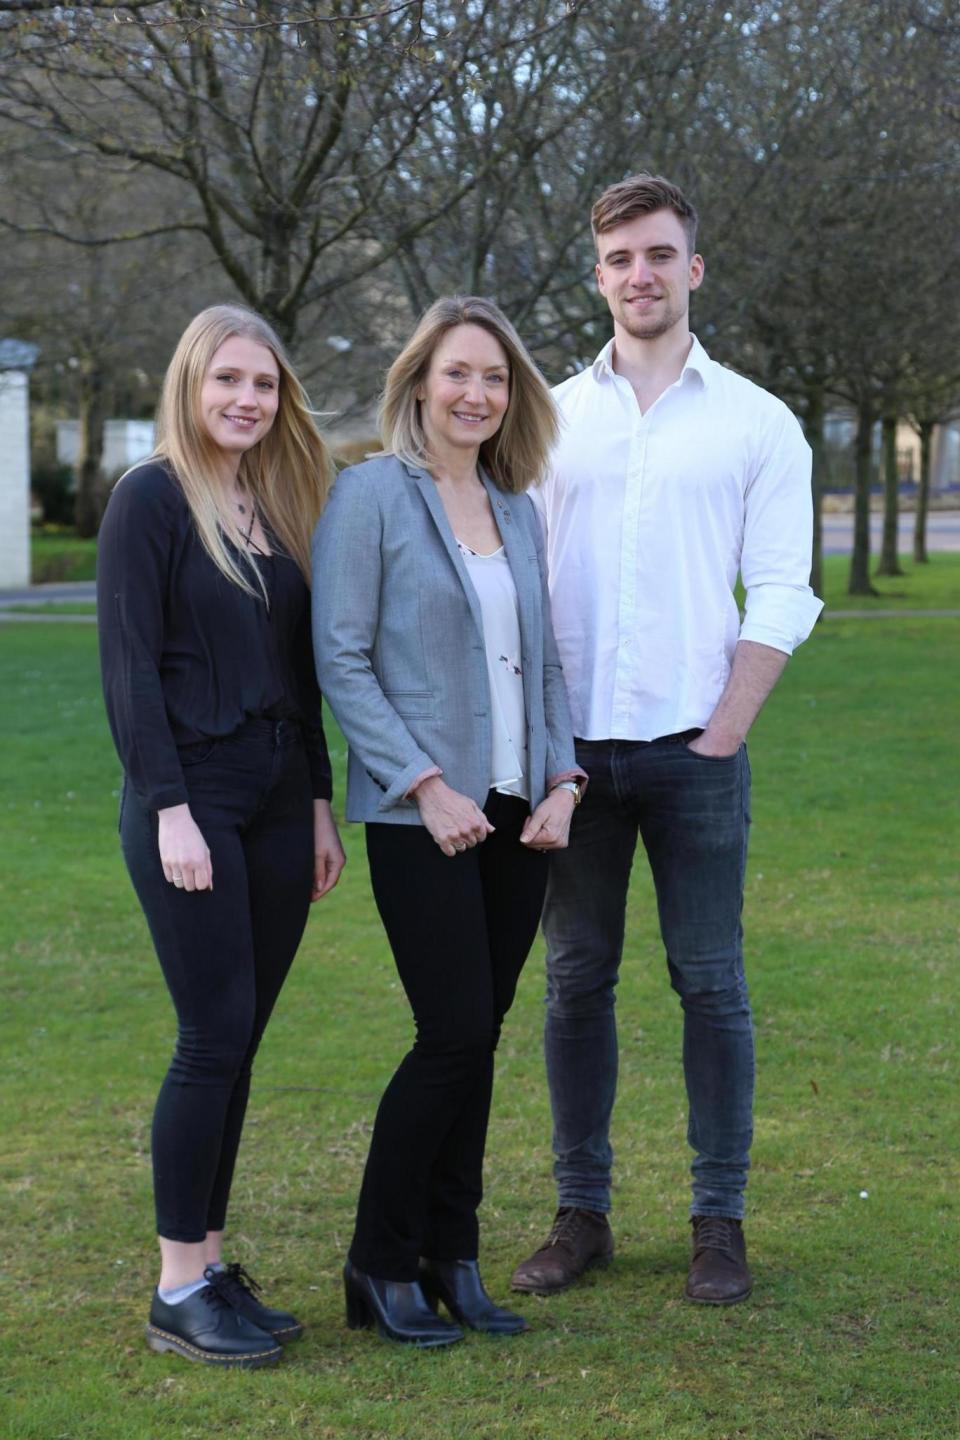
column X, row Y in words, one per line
column 648, row 519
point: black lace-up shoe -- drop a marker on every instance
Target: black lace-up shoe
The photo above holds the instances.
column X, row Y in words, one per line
column 240, row 1290
column 719, row 1274
column 579, row 1239
column 206, row 1327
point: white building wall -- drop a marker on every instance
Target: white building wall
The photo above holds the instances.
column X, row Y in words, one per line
column 945, row 456
column 14, row 479
column 124, row 443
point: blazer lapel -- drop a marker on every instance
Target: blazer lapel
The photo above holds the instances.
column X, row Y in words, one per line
column 427, row 487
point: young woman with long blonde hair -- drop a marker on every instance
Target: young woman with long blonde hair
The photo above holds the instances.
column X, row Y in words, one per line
column 204, row 614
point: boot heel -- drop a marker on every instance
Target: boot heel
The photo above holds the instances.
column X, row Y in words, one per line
column 431, row 1294
column 358, row 1312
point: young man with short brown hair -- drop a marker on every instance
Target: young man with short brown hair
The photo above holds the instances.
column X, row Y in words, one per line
column 672, row 475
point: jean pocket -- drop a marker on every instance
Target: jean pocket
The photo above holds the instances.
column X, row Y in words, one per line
column 713, row 759
column 196, row 753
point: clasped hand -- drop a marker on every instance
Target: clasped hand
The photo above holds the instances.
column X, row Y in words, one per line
column 548, row 828
column 183, row 851
column 457, row 823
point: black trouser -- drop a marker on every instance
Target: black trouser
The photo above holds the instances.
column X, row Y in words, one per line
column 225, row 953
column 460, row 929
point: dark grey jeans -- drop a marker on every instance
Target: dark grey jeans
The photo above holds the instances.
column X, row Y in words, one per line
column 692, row 814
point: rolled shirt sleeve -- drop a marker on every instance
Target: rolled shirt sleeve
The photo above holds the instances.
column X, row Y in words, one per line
column 781, row 608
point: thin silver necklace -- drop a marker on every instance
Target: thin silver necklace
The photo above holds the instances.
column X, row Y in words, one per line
column 247, row 535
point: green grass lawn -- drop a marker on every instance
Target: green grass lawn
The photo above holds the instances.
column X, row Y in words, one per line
column 935, row 586
column 853, row 1332
column 57, row 554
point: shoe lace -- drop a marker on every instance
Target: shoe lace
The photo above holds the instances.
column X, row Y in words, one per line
column 563, row 1232
column 233, row 1283
column 213, row 1296
column 714, row 1232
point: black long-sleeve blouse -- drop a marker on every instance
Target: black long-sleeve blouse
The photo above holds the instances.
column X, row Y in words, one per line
column 185, row 654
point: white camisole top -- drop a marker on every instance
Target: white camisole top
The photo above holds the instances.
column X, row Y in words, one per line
column 493, row 581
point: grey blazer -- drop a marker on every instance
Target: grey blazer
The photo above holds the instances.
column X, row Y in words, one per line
column 398, row 639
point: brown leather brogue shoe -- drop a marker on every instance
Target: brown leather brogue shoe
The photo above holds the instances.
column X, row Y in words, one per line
column 718, row 1274
column 578, row 1240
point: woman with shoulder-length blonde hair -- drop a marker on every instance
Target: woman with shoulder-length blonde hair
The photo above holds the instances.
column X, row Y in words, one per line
column 434, row 649
column 225, row 821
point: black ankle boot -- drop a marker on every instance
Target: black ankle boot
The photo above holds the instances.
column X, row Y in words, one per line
column 397, row 1308
column 457, row 1283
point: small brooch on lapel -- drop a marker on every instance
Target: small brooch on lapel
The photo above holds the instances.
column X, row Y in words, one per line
column 503, row 510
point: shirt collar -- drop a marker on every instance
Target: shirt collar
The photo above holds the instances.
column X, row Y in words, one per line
column 698, row 361
column 603, row 365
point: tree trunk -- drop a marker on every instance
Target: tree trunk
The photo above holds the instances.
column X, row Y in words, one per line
column 859, row 583
column 277, row 253
column 88, row 506
column 813, row 421
column 889, row 563
column 923, row 494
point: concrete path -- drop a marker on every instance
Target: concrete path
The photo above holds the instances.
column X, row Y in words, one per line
column 832, row 614
column 10, row 617
column 47, row 594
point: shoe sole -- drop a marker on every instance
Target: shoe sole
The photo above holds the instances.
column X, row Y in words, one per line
column 426, row 1344
column 600, row 1262
column 359, row 1317
column 163, row 1342
column 730, row 1300
column 292, row 1332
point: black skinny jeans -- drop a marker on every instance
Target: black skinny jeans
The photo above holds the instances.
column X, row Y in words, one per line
column 225, row 953
column 460, row 929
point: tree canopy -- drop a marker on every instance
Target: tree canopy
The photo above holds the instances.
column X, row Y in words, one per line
column 337, row 165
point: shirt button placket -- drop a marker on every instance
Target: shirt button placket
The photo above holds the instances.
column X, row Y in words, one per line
column 627, row 650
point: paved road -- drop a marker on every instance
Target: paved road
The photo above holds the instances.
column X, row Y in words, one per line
column 48, row 594
column 943, row 532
